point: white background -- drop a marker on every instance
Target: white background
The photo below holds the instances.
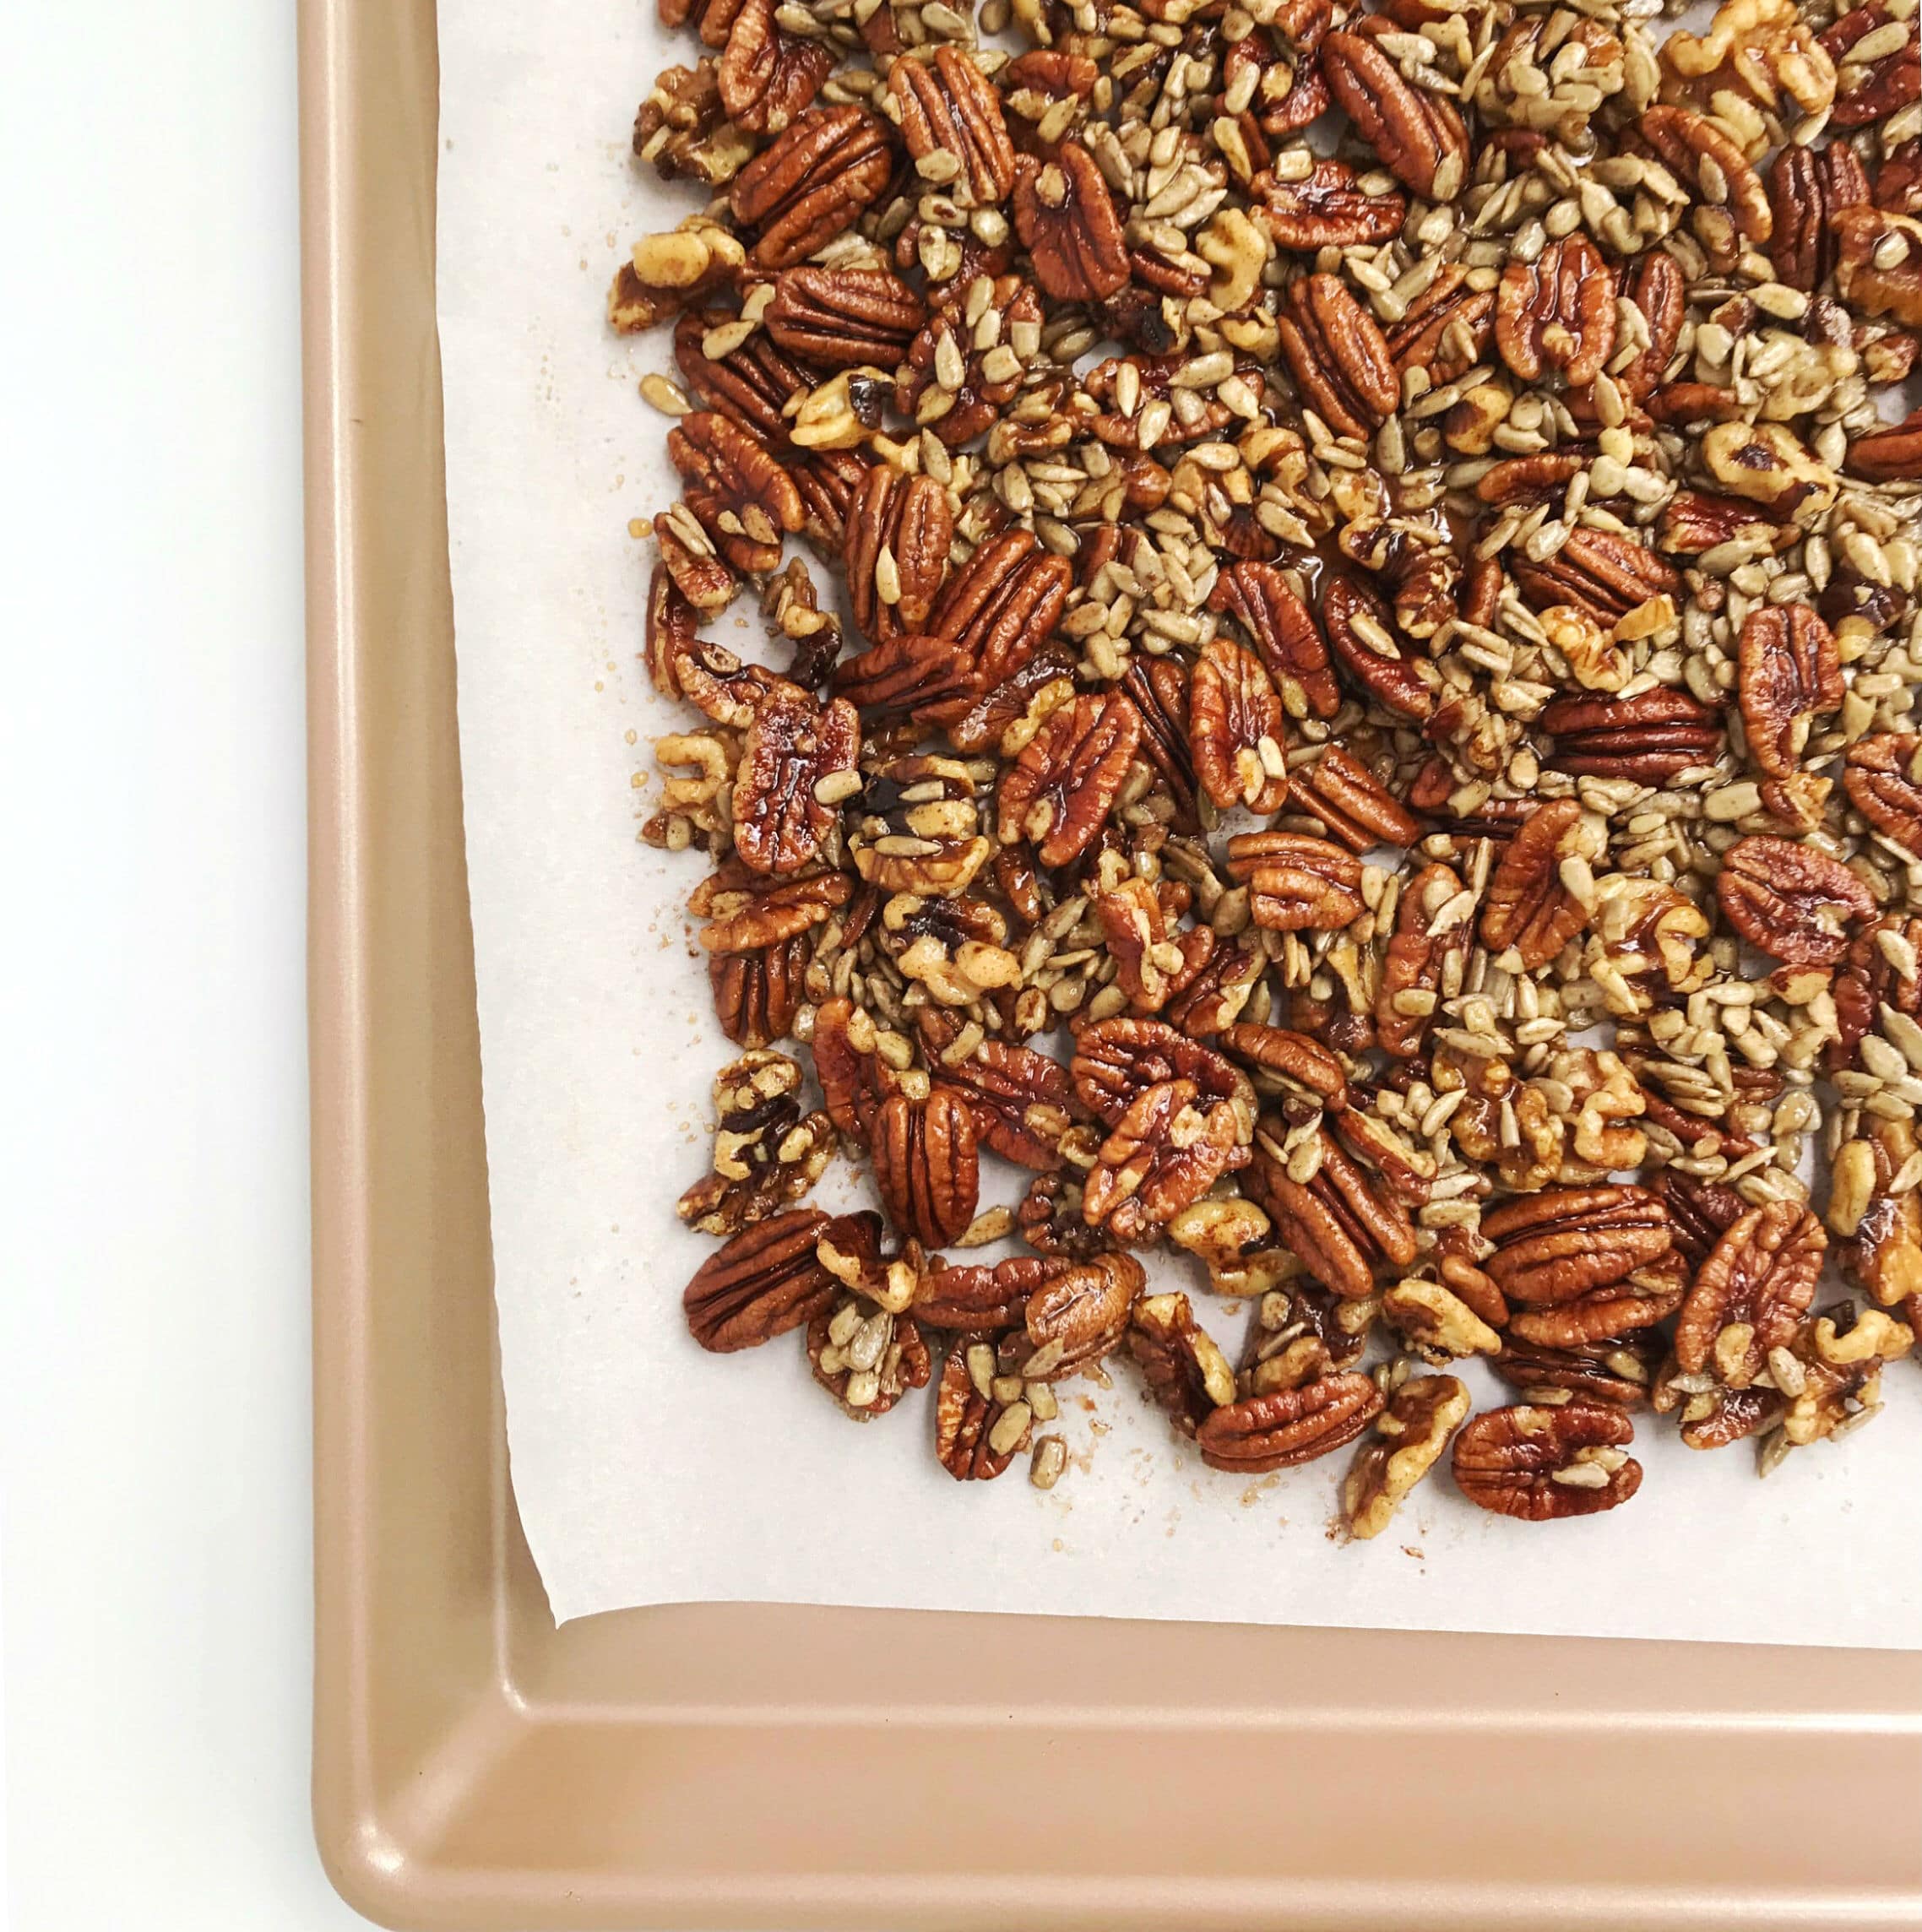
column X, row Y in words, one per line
column 154, row 1583
column 153, row 1406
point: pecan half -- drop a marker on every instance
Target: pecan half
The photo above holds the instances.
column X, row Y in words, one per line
column 1699, row 151
column 829, row 482
column 763, row 1282
column 1215, row 997
column 1882, row 968
column 1446, row 328
column 1325, row 209
column 1154, row 959
column 1288, row 1426
column 1790, row 673
column 794, row 751
column 1695, row 521
column 976, row 1434
column 960, row 375
column 751, row 384
column 1338, row 357
column 1881, row 1231
column 948, row 107
column 1649, row 738
column 1058, row 793
column 1046, row 88
column 1792, row 901
column 896, row 551
column 682, row 663
column 1528, row 907
column 1186, row 1372
column 747, row 911
column 1700, row 1212
column 1022, row 1101
column 1598, row 571
column 687, row 556
column 1557, row 312
column 1892, row 455
column 1882, row 784
column 1068, row 1312
column 1353, row 804
column 1281, row 629
column 844, row 318
column 1157, row 688
column 1424, row 960
column 767, row 75
column 1170, row 1146
column 1341, row 1223
column 1899, row 180
column 925, row 1163
column 1283, row 1062
column 1067, row 221
column 1405, row 1170
column 1808, row 187
column 712, row 20
column 1618, row 1372
column 811, row 184
column 1004, row 604
column 739, row 493
column 1417, row 136
column 1871, row 89
column 1295, row 882
column 865, row 1357
column 931, row 681
column 1557, row 1246
column 1365, row 648
column 854, row 1080
column 1656, row 286
column 1541, row 1463
column 756, row 995
column 1288, row 92
column 1075, row 1312
column 1650, row 1295
column 1750, row 1294
column 1235, row 729
column 1409, row 1436
column 1719, row 1417
column 1117, row 1060
column 984, row 1299
column 1528, row 479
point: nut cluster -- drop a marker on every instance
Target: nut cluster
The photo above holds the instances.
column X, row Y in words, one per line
column 1366, row 731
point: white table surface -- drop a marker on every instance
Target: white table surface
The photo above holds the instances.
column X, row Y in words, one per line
column 153, row 1407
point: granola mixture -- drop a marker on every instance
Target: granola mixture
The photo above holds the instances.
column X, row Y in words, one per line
column 1366, row 731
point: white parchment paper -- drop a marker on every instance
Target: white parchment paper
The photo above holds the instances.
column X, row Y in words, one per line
column 648, row 1472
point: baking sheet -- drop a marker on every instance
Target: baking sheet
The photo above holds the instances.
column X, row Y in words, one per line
column 646, row 1471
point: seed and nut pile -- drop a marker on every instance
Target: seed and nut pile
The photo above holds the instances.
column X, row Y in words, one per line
column 1367, row 734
